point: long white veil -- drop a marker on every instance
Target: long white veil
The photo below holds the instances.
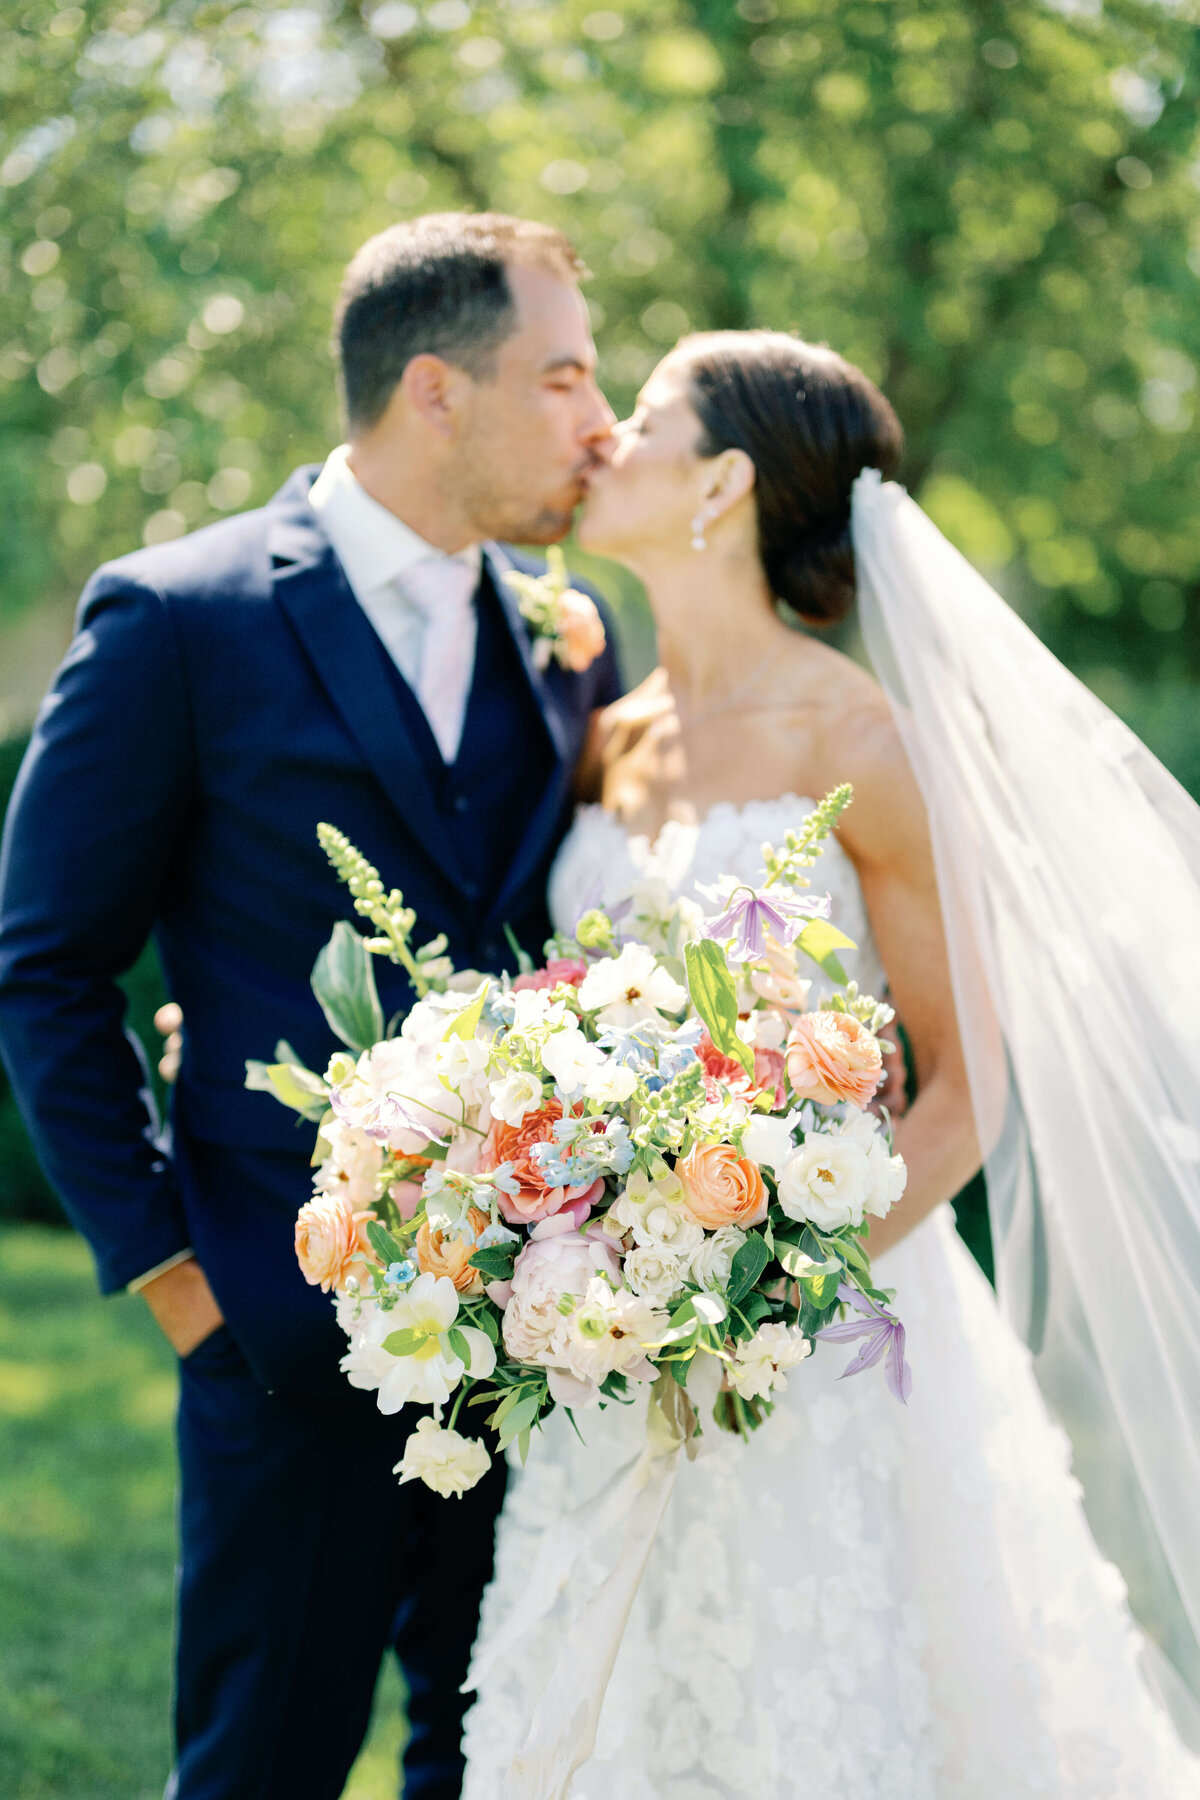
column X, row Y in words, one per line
column 1068, row 864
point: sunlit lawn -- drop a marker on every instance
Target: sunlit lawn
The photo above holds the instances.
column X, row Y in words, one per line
column 87, row 1394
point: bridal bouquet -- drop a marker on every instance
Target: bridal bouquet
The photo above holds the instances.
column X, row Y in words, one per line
column 648, row 1161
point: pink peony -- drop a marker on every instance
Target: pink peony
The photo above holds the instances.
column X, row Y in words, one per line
column 569, row 970
column 721, row 1187
column 534, row 1199
column 832, row 1057
column 557, row 1260
column 330, row 1238
column 580, row 631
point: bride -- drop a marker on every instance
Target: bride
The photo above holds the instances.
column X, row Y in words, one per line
column 877, row 1602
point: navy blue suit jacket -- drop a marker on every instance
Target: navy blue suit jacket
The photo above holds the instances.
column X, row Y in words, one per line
column 222, row 695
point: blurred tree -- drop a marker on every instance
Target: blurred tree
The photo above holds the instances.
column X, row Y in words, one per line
column 993, row 209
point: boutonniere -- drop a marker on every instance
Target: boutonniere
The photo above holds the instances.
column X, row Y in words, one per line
column 563, row 623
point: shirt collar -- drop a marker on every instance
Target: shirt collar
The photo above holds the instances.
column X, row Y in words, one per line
column 373, row 546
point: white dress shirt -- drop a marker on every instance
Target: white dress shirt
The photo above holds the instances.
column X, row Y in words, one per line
column 419, row 599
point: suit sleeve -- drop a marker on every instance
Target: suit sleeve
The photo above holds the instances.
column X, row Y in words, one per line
column 91, row 832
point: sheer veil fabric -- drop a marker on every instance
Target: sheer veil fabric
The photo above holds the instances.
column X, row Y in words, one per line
column 1068, row 864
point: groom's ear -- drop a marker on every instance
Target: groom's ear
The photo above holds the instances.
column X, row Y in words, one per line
column 436, row 391
column 729, row 477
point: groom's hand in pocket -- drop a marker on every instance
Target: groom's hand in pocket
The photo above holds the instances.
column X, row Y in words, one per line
column 184, row 1306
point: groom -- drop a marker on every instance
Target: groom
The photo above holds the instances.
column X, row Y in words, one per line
column 348, row 653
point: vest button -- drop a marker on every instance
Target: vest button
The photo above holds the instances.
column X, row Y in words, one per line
column 461, row 803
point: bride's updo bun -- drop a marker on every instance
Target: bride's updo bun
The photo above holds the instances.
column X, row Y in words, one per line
column 810, row 422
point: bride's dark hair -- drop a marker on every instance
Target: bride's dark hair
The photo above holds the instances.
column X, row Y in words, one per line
column 810, row 422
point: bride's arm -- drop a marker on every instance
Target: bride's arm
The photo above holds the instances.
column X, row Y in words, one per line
column 886, row 835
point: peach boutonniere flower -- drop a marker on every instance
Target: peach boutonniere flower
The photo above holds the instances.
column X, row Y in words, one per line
column 564, row 623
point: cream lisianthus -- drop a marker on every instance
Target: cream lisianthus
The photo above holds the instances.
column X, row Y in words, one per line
column 759, row 1366
column 426, row 1370
column 624, row 990
column 445, row 1461
column 654, row 1212
column 712, row 1264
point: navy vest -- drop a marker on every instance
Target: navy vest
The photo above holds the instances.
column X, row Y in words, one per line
column 487, row 798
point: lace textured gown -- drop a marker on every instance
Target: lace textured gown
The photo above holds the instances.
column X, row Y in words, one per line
column 867, row 1600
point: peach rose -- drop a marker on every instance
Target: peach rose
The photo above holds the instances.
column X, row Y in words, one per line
column 438, row 1255
column 580, row 631
column 721, row 1188
column 514, row 1144
column 832, row 1057
column 330, row 1237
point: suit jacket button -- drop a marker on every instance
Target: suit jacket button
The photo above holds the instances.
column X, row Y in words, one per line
column 461, row 803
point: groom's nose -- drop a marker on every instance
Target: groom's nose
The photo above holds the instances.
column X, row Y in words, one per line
column 600, row 419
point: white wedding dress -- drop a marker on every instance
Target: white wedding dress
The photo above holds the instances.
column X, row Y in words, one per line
column 866, row 1600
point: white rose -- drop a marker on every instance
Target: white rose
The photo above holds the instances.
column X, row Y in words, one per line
column 570, row 1058
column 889, row 1174
column 767, row 1140
column 712, row 1262
column 443, row 1460
column 654, row 1273
column 609, row 1333
column 828, row 1181
column 518, row 1093
column 758, row 1365
column 656, row 1222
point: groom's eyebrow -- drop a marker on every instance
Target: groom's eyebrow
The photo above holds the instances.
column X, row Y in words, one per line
column 565, row 362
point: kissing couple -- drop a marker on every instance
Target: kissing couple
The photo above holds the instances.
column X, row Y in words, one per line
column 880, row 1602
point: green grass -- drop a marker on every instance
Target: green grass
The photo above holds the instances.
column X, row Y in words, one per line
column 87, row 1484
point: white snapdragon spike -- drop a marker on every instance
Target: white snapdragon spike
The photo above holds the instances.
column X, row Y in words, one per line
column 827, row 1182
column 426, row 1021
column 570, row 1058
column 447, row 1203
column 624, row 990
column 611, row 1084
column 515, row 1095
column 463, row 1065
column 654, row 1273
column 889, row 1175
column 353, row 1166
column 759, row 1366
column 445, row 1461
column 712, row 1260
column 767, row 1140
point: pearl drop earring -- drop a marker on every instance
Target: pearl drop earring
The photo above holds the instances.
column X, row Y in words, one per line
column 699, row 541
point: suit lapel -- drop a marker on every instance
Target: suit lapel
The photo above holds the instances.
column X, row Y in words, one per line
column 345, row 655
column 545, row 820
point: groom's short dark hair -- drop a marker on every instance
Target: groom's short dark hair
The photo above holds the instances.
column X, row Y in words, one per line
column 435, row 285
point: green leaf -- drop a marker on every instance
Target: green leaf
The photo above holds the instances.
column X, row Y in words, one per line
column 296, row 1087
column 714, row 995
column 819, row 939
column 748, row 1265
column 459, row 1346
column 403, row 1343
column 387, row 1248
column 822, row 1288
column 521, row 1417
column 465, row 1024
column 496, row 1261
column 343, row 981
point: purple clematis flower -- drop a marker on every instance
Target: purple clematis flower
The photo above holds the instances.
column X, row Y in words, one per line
column 751, row 913
column 884, row 1335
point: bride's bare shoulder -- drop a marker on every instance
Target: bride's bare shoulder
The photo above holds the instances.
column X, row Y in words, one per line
column 620, row 728
column 857, row 741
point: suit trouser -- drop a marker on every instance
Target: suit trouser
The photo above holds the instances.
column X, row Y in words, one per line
column 302, row 1560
